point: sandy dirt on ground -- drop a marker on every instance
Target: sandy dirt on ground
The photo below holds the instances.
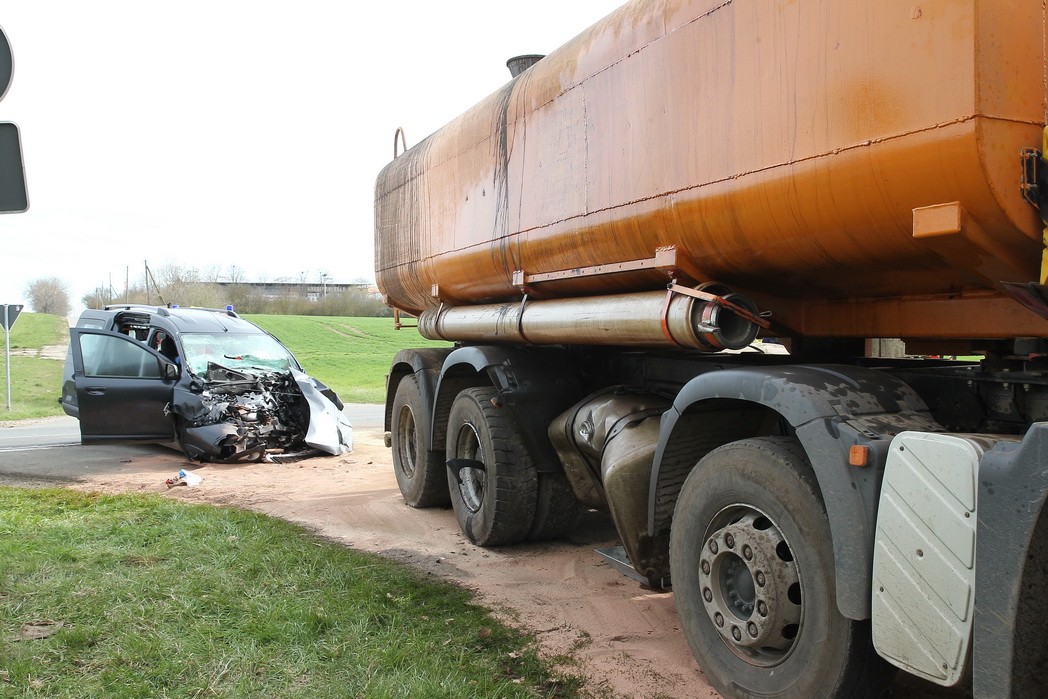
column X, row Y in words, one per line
column 625, row 638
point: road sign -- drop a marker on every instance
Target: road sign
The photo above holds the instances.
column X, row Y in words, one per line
column 8, row 313
column 7, row 64
column 14, row 197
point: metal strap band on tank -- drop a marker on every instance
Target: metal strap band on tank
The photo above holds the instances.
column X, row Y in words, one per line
column 627, row 420
column 436, row 322
column 665, row 320
column 520, row 319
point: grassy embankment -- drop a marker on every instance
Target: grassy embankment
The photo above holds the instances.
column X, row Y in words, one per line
column 36, row 383
column 142, row 596
column 351, row 355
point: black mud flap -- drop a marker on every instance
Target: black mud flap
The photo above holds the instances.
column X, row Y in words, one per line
column 617, row 558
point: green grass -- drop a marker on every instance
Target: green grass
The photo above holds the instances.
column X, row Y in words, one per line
column 36, row 383
column 162, row 599
column 351, row 355
column 34, row 330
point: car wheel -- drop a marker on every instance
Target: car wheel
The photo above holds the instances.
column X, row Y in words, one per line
column 753, row 577
column 491, row 477
column 420, row 472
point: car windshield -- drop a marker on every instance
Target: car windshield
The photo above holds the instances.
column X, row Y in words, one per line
column 241, row 351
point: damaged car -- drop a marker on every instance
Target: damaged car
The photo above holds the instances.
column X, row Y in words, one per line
column 218, row 386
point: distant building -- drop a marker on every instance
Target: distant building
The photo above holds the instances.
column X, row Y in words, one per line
column 313, row 291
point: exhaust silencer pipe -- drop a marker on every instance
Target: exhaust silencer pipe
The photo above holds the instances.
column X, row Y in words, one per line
column 645, row 319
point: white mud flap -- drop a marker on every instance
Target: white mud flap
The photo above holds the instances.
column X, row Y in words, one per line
column 924, row 554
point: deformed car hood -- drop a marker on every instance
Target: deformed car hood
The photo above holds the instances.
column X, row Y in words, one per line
column 232, row 415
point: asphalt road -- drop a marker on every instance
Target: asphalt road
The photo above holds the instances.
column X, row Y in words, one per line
column 49, row 450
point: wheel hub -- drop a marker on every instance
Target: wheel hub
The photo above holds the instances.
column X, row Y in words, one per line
column 751, row 587
column 406, row 441
column 472, row 482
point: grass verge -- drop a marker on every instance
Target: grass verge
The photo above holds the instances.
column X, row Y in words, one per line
column 36, row 383
column 143, row 596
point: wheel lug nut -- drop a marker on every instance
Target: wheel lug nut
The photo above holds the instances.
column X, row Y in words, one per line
column 705, row 567
column 762, row 608
column 729, row 540
column 713, row 546
column 760, row 578
column 752, row 628
column 747, row 553
column 735, row 633
column 707, row 594
column 719, row 619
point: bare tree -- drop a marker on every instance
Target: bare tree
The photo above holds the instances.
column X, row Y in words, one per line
column 235, row 274
column 48, row 295
column 97, row 297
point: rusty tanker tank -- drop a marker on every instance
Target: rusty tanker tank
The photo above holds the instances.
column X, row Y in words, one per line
column 850, row 169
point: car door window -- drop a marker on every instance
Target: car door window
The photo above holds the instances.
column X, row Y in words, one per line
column 108, row 355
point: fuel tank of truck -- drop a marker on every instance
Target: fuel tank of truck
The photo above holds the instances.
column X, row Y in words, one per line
column 852, row 167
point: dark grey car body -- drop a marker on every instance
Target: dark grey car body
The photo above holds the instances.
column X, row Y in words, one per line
column 149, row 374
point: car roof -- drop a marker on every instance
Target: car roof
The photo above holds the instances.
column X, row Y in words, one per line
column 180, row 320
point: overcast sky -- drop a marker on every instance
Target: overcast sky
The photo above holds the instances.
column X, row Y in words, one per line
column 209, row 134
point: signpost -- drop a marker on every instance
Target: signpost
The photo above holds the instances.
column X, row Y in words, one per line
column 10, row 313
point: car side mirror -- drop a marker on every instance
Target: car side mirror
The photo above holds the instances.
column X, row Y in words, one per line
column 170, row 371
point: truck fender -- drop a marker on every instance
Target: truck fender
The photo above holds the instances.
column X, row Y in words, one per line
column 526, row 386
column 425, row 364
column 1011, row 579
column 829, row 408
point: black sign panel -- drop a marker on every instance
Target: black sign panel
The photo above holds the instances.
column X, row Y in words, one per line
column 8, row 313
column 13, row 195
column 7, row 64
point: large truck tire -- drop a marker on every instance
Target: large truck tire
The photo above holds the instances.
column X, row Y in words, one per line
column 495, row 504
column 557, row 509
column 753, row 576
column 420, row 472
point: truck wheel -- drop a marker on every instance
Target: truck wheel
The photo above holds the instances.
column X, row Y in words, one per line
column 753, row 577
column 420, row 472
column 557, row 509
column 495, row 500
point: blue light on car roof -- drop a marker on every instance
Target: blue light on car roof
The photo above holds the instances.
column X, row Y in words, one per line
column 229, row 307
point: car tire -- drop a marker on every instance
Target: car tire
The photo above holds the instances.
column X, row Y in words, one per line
column 753, row 577
column 494, row 505
column 420, row 472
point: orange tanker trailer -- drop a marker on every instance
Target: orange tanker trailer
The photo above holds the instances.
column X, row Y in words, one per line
column 686, row 175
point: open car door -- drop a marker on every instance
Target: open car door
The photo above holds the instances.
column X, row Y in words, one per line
column 122, row 387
